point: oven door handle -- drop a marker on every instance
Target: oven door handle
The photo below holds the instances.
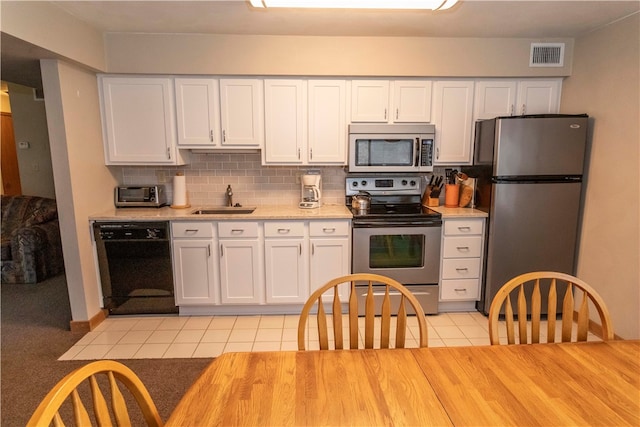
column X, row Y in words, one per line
column 392, row 223
column 395, row 293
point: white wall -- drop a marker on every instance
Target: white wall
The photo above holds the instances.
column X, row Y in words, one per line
column 81, row 179
column 30, row 125
column 325, row 56
column 606, row 84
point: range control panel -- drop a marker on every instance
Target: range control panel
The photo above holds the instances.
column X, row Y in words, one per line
column 384, row 185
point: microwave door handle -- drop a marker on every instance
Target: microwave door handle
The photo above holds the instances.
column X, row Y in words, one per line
column 417, row 152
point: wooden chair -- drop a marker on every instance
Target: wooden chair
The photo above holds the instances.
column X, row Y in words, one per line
column 568, row 308
column 385, row 327
column 49, row 409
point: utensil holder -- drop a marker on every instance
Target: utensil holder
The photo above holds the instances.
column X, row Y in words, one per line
column 451, row 195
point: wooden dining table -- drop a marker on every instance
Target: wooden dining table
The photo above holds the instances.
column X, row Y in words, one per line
column 591, row 383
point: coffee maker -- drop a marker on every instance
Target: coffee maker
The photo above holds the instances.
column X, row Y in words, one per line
column 311, row 191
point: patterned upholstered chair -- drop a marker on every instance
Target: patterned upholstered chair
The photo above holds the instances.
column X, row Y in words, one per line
column 31, row 245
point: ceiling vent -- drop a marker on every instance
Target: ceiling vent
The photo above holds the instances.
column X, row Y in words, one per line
column 546, row 55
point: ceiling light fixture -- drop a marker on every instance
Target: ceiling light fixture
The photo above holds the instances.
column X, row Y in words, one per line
column 357, row 4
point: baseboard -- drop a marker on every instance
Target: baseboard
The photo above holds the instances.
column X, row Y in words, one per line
column 84, row 326
column 594, row 328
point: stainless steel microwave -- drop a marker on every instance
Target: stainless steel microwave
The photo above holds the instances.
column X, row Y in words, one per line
column 391, row 148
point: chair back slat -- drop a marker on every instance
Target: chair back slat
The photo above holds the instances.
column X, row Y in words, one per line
column 552, row 311
column 353, row 315
column 337, row 320
column 385, row 319
column 567, row 314
column 508, row 317
column 401, row 324
column 80, row 414
column 57, row 420
column 118, row 404
column 369, row 316
column 536, row 304
column 577, row 298
column 100, row 409
column 375, row 333
column 522, row 316
column 583, row 318
column 322, row 326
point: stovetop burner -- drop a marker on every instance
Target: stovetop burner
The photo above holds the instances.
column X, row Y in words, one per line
column 395, row 211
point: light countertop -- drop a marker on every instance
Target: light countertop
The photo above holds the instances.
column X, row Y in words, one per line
column 459, row 212
column 267, row 212
column 261, row 213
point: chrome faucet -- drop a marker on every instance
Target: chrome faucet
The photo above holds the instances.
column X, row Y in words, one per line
column 229, row 196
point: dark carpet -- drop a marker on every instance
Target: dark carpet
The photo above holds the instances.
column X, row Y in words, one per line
column 35, row 333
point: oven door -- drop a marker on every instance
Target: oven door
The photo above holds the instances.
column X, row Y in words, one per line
column 410, row 255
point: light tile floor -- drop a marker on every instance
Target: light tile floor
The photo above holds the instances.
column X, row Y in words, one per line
column 159, row 337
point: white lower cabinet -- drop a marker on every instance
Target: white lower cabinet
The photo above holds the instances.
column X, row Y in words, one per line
column 286, row 262
column 462, row 252
column 330, row 253
column 241, row 266
column 251, row 263
column 194, row 261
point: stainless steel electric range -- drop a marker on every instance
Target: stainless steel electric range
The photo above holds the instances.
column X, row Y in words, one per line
column 396, row 236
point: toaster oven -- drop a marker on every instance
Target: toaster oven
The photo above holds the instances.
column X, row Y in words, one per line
column 144, row 196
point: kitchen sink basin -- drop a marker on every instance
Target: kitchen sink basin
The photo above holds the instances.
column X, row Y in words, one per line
column 225, row 210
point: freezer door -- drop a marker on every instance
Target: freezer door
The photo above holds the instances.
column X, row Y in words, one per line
column 540, row 146
column 532, row 227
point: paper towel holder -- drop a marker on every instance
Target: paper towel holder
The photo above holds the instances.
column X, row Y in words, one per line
column 180, row 195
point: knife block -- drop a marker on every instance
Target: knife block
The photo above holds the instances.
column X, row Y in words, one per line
column 429, row 201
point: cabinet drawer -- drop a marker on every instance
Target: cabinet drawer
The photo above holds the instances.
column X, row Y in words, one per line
column 463, row 227
column 465, row 289
column 329, row 228
column 462, row 247
column 191, row 229
column 461, row 268
column 284, row 229
column 237, row 229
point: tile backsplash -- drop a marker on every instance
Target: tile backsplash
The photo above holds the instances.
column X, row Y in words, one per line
column 207, row 177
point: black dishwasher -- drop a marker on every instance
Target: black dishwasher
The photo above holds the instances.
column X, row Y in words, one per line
column 136, row 273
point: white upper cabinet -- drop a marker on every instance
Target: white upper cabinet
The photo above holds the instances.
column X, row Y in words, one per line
column 370, row 101
column 538, row 96
column 495, row 98
column 397, row 101
column 305, row 122
column 452, row 113
column 285, row 124
column 198, row 112
column 327, row 122
column 411, row 101
column 242, row 112
column 138, row 120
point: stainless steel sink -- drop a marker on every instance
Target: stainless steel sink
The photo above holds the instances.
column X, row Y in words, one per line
column 224, row 210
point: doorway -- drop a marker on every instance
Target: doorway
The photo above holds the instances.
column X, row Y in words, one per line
column 9, row 160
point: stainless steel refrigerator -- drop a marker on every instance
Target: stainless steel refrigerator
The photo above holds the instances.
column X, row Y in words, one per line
column 529, row 171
